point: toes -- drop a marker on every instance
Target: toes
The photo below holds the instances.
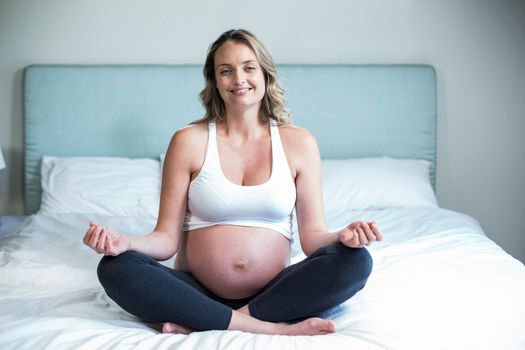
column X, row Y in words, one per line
column 330, row 326
column 174, row 328
column 323, row 326
column 315, row 326
column 166, row 328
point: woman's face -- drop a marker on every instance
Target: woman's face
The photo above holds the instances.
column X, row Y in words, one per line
column 240, row 78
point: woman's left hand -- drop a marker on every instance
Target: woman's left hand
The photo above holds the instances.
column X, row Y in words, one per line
column 360, row 233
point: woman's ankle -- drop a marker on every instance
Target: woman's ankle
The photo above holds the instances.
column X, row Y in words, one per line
column 245, row 310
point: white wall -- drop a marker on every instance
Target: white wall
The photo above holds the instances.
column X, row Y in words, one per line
column 477, row 48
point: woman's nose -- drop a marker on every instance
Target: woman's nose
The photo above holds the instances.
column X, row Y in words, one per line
column 239, row 77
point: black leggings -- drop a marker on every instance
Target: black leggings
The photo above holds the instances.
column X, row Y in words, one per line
column 156, row 293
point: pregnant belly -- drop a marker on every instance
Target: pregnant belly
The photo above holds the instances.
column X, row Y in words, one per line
column 234, row 262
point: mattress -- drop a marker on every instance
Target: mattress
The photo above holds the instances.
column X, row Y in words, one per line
column 437, row 283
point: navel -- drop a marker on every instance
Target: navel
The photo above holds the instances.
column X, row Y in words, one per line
column 240, row 264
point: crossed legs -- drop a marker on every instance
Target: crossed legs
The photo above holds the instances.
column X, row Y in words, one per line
column 154, row 292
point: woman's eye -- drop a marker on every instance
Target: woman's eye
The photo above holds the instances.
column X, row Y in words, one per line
column 224, row 71
column 250, row 68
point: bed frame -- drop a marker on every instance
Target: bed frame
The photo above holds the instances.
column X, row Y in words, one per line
column 132, row 111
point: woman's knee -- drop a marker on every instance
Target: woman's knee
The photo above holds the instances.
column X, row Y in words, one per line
column 347, row 270
column 110, row 268
column 355, row 261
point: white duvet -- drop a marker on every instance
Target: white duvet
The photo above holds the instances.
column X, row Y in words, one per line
column 438, row 283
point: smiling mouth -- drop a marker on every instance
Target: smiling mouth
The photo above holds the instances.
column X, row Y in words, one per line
column 240, row 91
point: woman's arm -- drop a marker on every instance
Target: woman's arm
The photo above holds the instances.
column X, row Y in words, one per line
column 108, row 241
column 309, row 204
column 181, row 159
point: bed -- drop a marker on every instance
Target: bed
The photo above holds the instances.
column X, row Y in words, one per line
column 94, row 140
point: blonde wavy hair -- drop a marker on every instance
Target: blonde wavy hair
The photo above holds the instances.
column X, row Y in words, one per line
column 273, row 103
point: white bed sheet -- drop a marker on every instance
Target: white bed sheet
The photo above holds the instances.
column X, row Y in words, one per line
column 438, row 283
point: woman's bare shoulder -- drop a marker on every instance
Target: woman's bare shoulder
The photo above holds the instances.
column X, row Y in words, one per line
column 189, row 142
column 296, row 137
column 300, row 146
column 190, row 132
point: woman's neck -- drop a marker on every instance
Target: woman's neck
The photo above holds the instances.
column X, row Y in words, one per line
column 245, row 123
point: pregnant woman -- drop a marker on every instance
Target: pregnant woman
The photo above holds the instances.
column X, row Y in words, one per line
column 231, row 182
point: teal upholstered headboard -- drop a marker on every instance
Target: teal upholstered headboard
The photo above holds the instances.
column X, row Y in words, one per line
column 132, row 111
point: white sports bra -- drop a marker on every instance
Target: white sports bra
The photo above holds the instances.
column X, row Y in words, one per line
column 215, row 200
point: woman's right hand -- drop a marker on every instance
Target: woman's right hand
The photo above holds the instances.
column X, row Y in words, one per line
column 105, row 240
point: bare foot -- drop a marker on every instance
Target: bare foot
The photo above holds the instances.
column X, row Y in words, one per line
column 311, row 326
column 174, row 328
column 246, row 323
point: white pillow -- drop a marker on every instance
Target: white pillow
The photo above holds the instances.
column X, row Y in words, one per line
column 101, row 185
column 376, row 183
